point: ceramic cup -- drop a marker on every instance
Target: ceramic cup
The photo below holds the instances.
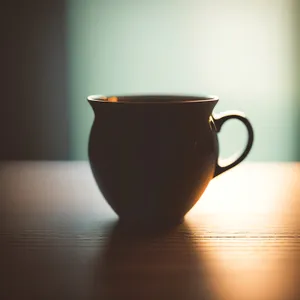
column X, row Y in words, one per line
column 153, row 156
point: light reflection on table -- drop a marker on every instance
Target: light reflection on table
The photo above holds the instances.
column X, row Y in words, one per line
column 251, row 237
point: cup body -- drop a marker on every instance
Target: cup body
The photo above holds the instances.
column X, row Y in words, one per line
column 153, row 158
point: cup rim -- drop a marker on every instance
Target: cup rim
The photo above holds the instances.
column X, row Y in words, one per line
column 152, row 99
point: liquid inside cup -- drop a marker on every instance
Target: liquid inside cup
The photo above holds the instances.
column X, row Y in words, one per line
column 152, row 98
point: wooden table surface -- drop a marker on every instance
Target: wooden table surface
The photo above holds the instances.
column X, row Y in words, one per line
column 60, row 240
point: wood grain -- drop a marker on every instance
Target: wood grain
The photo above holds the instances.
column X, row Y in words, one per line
column 60, row 240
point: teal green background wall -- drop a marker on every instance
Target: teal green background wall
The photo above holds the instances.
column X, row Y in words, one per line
column 243, row 51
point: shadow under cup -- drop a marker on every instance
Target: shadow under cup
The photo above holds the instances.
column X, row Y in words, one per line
column 153, row 156
column 160, row 266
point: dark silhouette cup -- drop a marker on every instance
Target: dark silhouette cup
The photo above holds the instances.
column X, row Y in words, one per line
column 153, row 156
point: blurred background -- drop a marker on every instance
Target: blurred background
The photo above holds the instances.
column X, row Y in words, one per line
column 55, row 54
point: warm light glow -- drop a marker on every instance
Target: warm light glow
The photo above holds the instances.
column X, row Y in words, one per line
column 246, row 197
column 112, row 99
column 244, row 244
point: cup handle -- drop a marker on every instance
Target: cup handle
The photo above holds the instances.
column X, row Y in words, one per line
column 218, row 121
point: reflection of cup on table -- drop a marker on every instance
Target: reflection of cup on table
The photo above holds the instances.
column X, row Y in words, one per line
column 152, row 266
column 153, row 156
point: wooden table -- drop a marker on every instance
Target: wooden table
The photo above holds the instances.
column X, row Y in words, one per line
column 60, row 240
